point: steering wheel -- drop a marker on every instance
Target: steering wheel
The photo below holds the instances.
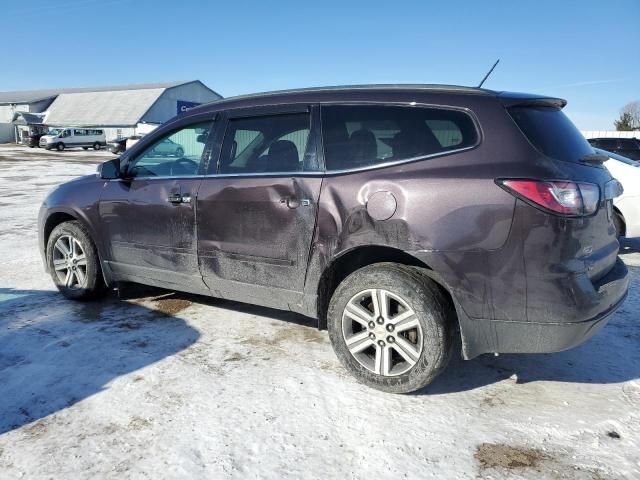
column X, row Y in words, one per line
column 185, row 165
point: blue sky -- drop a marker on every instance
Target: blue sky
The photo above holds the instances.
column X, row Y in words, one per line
column 585, row 51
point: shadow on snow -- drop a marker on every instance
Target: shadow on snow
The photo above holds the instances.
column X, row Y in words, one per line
column 55, row 352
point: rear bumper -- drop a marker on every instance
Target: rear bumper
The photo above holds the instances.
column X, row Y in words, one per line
column 553, row 335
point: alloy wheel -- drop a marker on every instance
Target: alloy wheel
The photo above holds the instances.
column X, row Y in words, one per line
column 382, row 332
column 70, row 262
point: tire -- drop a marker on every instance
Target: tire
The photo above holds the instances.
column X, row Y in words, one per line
column 427, row 345
column 179, row 152
column 96, row 146
column 88, row 283
column 618, row 222
column 85, row 148
column 60, row 146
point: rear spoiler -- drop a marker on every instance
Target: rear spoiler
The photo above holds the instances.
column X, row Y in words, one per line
column 511, row 99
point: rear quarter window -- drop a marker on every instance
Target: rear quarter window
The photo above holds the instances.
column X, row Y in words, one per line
column 358, row 136
column 551, row 132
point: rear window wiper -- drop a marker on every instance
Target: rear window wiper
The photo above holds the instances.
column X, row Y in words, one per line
column 596, row 158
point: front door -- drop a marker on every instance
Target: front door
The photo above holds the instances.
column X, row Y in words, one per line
column 257, row 214
column 149, row 217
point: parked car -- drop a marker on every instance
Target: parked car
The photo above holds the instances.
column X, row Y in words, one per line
column 626, row 207
column 132, row 140
column 33, row 140
column 396, row 216
column 627, row 147
column 61, row 138
column 117, row 145
column 168, row 147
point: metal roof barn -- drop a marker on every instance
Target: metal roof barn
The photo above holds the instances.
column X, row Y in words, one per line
column 117, row 109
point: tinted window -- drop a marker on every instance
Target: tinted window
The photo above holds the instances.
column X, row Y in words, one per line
column 552, row 133
column 362, row 136
column 629, row 144
column 175, row 154
column 266, row 144
column 606, row 144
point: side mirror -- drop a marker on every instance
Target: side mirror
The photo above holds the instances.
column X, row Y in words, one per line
column 110, row 169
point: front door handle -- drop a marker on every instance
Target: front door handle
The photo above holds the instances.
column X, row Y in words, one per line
column 175, row 198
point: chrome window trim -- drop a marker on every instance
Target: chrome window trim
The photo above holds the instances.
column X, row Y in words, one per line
column 400, row 162
column 168, row 177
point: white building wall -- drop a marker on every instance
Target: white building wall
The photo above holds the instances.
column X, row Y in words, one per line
column 7, row 129
column 610, row 134
column 166, row 106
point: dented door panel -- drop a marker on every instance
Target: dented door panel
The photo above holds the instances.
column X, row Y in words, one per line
column 254, row 236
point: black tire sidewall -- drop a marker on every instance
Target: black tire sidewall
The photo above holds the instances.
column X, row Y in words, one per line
column 618, row 223
column 60, row 147
column 432, row 311
column 96, row 146
column 179, row 153
column 94, row 275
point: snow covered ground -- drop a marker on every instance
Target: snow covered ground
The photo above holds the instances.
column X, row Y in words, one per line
column 176, row 386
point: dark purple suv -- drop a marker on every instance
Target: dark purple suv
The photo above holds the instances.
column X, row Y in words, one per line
column 396, row 215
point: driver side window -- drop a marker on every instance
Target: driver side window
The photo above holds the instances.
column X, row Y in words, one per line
column 176, row 154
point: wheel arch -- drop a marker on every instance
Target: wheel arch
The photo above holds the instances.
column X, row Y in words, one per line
column 61, row 215
column 347, row 262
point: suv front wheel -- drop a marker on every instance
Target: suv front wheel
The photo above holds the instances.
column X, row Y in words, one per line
column 73, row 262
column 391, row 327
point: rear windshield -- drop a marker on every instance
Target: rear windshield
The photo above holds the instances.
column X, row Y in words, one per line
column 551, row 132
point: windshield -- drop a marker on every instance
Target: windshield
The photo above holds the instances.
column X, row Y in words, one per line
column 551, row 132
column 54, row 131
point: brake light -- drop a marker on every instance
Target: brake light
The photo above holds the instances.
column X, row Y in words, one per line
column 561, row 197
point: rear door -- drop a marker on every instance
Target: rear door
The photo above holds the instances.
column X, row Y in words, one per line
column 257, row 208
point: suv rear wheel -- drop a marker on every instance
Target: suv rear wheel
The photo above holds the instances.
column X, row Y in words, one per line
column 391, row 327
column 60, row 146
column 97, row 146
column 73, row 262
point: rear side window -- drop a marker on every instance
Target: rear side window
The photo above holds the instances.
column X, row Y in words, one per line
column 551, row 132
column 362, row 136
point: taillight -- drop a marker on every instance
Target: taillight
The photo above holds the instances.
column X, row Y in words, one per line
column 564, row 198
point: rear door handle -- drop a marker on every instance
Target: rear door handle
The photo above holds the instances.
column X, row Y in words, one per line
column 293, row 202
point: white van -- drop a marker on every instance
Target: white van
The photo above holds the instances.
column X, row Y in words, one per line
column 61, row 138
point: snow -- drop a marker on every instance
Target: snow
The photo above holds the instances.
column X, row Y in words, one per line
column 169, row 385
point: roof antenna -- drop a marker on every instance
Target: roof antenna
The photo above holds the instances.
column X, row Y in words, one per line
column 488, row 73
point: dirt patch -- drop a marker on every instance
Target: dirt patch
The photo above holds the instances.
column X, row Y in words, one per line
column 234, row 357
column 37, row 429
column 498, row 455
column 171, row 306
column 139, row 423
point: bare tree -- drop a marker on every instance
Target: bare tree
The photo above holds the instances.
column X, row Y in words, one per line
column 629, row 117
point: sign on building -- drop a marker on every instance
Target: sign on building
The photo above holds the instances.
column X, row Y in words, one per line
column 184, row 106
